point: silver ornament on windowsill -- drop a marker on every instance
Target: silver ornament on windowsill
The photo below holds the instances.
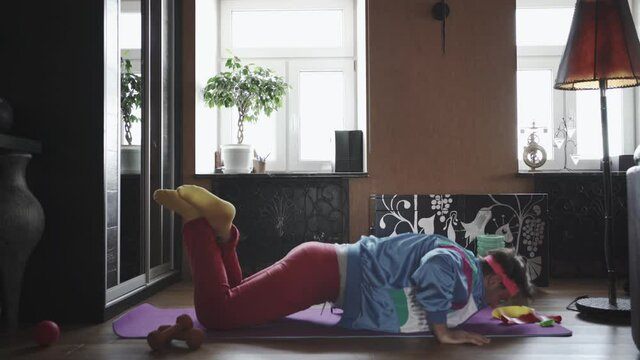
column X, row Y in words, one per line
column 534, row 155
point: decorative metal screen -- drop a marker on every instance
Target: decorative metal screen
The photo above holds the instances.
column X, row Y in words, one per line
column 276, row 214
column 521, row 218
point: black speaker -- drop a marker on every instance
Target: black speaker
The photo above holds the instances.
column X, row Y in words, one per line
column 349, row 151
column 621, row 162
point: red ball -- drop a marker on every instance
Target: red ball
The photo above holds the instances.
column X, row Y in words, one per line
column 46, row 333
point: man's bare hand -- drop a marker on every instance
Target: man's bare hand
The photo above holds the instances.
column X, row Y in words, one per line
column 446, row 336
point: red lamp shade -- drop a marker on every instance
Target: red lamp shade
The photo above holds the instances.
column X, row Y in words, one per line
column 602, row 45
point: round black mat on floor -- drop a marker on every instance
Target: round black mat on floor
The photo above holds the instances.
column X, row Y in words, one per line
column 600, row 307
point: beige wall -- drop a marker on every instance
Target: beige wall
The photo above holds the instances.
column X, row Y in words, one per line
column 438, row 123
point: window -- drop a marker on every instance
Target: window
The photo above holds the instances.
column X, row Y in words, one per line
column 287, row 28
column 130, row 42
column 312, row 45
column 271, row 29
column 542, row 29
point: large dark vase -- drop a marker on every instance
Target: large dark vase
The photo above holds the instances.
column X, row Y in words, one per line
column 6, row 115
column 21, row 226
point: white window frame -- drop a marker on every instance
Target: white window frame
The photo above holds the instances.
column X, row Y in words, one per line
column 555, row 156
column 288, row 62
column 627, row 124
column 348, row 27
column 540, row 57
column 349, row 118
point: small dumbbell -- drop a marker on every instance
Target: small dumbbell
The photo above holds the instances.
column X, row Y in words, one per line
column 159, row 339
column 193, row 337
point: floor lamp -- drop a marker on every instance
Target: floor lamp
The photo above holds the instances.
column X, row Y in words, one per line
column 602, row 53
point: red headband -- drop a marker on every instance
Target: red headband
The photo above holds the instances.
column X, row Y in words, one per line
column 511, row 286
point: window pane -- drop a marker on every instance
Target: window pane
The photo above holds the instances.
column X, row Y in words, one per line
column 540, row 27
column 535, row 104
column 286, row 29
column 261, row 134
column 321, row 113
column 588, row 127
column 130, row 33
column 136, row 127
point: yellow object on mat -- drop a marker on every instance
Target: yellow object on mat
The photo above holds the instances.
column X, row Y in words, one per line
column 511, row 311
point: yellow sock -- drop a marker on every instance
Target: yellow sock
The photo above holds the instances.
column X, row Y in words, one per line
column 171, row 200
column 219, row 213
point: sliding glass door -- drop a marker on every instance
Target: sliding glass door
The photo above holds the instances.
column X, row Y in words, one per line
column 142, row 252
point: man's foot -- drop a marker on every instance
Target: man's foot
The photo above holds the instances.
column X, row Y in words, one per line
column 171, row 200
column 218, row 213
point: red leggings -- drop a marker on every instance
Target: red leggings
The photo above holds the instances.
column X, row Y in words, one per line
column 307, row 275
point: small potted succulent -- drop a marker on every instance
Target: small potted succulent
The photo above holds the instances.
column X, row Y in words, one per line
column 253, row 90
column 130, row 99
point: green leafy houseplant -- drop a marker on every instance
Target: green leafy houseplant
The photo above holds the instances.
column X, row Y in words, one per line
column 130, row 96
column 252, row 89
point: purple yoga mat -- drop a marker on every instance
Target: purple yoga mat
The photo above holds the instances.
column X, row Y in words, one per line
column 312, row 323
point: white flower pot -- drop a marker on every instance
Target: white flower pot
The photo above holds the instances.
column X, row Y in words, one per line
column 237, row 158
column 130, row 159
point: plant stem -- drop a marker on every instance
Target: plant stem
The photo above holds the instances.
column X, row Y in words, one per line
column 240, row 127
column 566, row 142
column 127, row 132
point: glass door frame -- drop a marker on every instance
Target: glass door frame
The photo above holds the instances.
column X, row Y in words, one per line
column 158, row 33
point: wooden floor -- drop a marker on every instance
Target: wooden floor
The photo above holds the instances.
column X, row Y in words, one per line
column 590, row 340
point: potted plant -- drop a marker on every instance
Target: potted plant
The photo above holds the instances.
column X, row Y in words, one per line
column 253, row 90
column 130, row 99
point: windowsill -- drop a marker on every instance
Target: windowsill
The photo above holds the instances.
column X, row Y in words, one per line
column 286, row 175
column 535, row 173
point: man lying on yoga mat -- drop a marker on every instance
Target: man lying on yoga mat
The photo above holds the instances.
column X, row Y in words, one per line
column 402, row 283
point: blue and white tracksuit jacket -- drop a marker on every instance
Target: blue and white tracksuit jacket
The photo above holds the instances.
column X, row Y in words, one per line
column 402, row 283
